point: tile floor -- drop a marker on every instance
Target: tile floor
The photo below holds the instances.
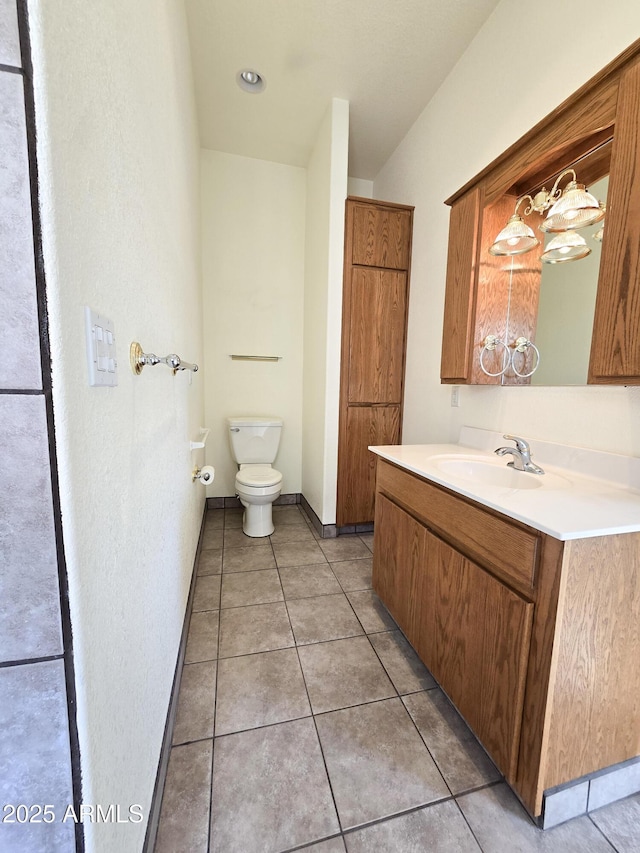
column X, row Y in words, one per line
column 306, row 722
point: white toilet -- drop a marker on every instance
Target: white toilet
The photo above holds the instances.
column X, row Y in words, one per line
column 254, row 446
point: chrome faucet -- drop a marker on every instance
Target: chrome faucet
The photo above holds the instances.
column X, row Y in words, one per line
column 521, row 455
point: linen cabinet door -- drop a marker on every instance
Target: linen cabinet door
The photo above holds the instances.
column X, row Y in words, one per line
column 365, row 425
column 478, row 645
column 376, row 336
column 399, row 569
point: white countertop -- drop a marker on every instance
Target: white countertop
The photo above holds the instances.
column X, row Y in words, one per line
column 568, row 504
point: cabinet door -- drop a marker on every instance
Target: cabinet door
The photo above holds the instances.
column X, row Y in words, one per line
column 477, row 644
column 376, row 335
column 399, row 566
column 381, row 237
column 464, row 224
column 364, row 426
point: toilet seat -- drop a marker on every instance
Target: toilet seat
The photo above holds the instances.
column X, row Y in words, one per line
column 258, row 476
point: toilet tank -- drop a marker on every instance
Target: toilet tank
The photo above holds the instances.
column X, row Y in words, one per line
column 254, row 440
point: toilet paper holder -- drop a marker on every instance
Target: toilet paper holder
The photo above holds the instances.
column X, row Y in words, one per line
column 204, row 474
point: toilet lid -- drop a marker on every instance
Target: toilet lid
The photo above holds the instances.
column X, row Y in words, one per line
column 258, row 475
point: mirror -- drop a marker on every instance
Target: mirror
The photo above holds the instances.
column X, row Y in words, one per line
column 566, row 308
column 597, row 130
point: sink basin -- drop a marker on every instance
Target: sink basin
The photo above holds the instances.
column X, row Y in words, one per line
column 487, row 473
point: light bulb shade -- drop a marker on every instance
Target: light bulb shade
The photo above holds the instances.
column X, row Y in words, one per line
column 576, row 208
column 599, row 234
column 565, row 247
column 516, row 238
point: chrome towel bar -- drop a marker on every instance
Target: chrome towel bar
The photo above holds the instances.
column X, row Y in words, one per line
column 255, row 357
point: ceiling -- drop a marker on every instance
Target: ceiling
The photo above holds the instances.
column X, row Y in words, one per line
column 386, row 57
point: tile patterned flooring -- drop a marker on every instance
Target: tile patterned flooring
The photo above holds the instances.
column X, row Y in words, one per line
column 306, row 722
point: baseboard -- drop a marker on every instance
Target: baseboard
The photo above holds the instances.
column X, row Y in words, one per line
column 232, row 502
column 165, row 749
column 325, row 531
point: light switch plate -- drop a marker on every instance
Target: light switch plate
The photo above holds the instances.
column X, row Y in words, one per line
column 101, row 349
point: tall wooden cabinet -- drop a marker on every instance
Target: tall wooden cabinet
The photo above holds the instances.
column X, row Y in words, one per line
column 377, row 262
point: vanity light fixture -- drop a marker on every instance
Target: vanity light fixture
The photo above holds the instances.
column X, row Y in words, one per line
column 567, row 246
column 571, row 208
column 516, row 237
column 250, row 81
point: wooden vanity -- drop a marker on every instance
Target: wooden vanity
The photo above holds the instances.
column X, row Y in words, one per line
column 535, row 640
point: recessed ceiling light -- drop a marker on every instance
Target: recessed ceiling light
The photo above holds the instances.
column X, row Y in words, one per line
column 250, row 81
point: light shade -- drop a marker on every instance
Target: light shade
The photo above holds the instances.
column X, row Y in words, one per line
column 576, row 208
column 565, row 247
column 516, row 238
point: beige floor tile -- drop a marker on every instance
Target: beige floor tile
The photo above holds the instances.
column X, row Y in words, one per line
column 377, row 762
column 620, row 822
column 367, row 538
column 214, row 519
column 309, row 581
column 210, row 562
column 403, row 665
column 455, row 749
column 207, row 593
column 344, row 548
column 242, row 588
column 202, row 640
column 184, row 816
column 297, row 554
column 325, row 617
column 353, row 574
column 271, row 788
column 248, row 559
column 259, row 690
column 439, row 827
column 342, row 673
column 371, row 611
column 236, row 538
column 233, row 518
column 258, row 628
column 284, row 515
column 292, row 533
column 501, row 825
column 212, row 538
column 196, row 703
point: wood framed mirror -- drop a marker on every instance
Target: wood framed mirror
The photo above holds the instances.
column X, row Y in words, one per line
column 597, row 129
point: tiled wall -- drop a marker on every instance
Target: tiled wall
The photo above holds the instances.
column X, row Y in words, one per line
column 37, row 730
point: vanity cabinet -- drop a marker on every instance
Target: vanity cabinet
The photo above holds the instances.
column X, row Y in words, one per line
column 596, row 130
column 377, row 258
column 534, row 640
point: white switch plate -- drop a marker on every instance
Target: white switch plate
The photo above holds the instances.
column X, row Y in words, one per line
column 455, row 396
column 101, row 349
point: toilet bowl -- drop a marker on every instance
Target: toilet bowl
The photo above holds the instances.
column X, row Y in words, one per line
column 254, row 445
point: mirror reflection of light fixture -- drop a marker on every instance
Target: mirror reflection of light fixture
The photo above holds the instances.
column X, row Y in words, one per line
column 600, row 232
column 571, row 208
column 567, row 246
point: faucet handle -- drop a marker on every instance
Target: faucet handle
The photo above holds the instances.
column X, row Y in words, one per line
column 521, row 444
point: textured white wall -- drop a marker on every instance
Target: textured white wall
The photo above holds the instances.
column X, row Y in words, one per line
column 253, row 214
column 481, row 109
column 324, row 246
column 118, row 161
column 360, row 187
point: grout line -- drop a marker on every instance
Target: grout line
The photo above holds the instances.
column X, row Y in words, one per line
column 601, row 831
column 464, row 818
column 27, row 661
column 315, row 725
column 213, row 736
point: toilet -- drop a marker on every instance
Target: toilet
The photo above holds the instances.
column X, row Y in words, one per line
column 254, row 446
